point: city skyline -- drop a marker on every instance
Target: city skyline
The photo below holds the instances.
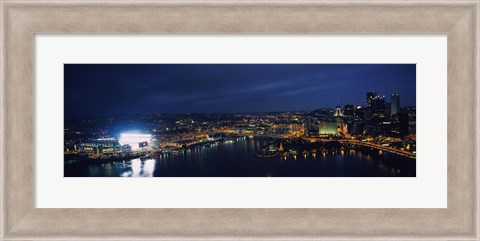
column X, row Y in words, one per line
column 121, row 89
column 240, row 120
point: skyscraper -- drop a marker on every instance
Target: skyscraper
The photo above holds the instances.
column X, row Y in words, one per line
column 378, row 108
column 310, row 127
column 400, row 124
column 375, row 108
column 349, row 111
column 338, row 111
column 395, row 104
column 370, row 97
column 359, row 121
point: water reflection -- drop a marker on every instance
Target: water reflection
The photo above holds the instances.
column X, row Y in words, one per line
column 139, row 168
column 238, row 159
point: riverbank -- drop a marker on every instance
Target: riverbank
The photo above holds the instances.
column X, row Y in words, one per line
column 238, row 159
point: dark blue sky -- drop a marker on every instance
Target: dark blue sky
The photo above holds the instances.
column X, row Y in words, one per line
column 111, row 89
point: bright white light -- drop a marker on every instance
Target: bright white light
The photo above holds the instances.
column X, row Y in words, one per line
column 149, row 167
column 139, row 170
column 136, row 167
column 133, row 139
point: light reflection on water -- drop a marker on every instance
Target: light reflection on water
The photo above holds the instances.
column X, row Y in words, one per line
column 238, row 159
column 139, row 168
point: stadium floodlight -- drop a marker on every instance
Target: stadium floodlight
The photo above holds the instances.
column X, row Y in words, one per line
column 134, row 139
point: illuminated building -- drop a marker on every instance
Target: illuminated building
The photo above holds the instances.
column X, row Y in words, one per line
column 370, row 97
column 342, row 129
column 125, row 148
column 155, row 143
column 338, row 111
column 134, row 140
column 357, row 126
column 376, row 108
column 143, row 144
column 327, row 129
column 244, row 129
column 400, row 124
column 286, row 128
column 394, row 104
column 100, row 146
column 359, row 114
column 215, row 137
column 281, row 148
column 310, row 127
column 412, row 119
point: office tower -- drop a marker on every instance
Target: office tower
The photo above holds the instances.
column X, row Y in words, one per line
column 338, row 111
column 400, row 123
column 370, row 97
column 310, row 127
column 375, row 110
column 349, row 111
column 395, row 104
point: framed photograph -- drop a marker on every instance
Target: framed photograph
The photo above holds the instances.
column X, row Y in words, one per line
column 239, row 120
column 227, row 120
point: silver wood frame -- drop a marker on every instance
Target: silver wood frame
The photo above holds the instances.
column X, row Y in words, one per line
column 21, row 20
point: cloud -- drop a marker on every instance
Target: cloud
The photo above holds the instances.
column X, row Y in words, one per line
column 151, row 88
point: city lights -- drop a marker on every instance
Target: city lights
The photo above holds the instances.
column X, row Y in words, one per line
column 262, row 120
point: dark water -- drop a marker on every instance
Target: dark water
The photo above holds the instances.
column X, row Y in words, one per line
column 237, row 159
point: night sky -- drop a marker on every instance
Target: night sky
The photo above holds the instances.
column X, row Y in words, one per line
column 114, row 89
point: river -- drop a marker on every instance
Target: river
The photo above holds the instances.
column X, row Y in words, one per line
column 237, row 159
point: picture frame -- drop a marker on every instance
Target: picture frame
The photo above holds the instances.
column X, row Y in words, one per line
column 21, row 20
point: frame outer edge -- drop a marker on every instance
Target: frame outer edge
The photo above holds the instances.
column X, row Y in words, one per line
column 2, row 120
column 3, row 111
column 477, row 122
column 469, row 71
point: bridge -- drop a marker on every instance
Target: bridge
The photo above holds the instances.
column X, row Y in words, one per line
column 343, row 141
column 346, row 141
column 380, row 147
column 356, row 143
